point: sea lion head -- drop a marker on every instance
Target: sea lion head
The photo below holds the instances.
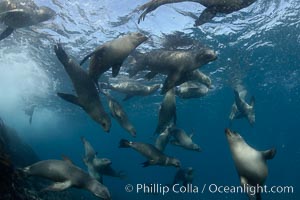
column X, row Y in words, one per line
column 233, row 137
column 102, row 118
column 174, row 162
column 45, row 13
column 139, row 37
column 205, row 55
column 101, row 162
column 98, row 190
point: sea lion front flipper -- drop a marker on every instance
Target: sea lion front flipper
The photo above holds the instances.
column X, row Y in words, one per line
column 70, row 98
column 128, row 96
column 175, row 142
column 234, row 111
column 170, row 81
column 146, row 164
column 206, row 16
column 58, row 186
column 150, row 75
column 6, row 33
column 269, row 154
column 97, row 51
column 116, row 69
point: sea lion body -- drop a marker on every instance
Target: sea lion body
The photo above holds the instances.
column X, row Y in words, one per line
column 119, row 114
column 66, row 175
column 241, row 108
column 167, row 112
column 250, row 163
column 183, row 140
column 87, row 93
column 18, row 14
column 163, row 138
column 185, row 176
column 190, row 90
column 176, row 64
column 112, row 54
column 212, row 7
column 154, row 156
column 134, row 89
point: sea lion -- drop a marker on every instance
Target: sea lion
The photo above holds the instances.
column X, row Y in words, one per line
column 112, row 54
column 250, row 164
column 199, row 77
column 213, row 7
column 190, row 90
column 154, row 156
column 167, row 112
column 18, row 14
column 183, row 140
column 66, row 175
column 241, row 108
column 97, row 167
column 184, row 175
column 87, row 94
column 163, row 139
column 132, row 89
column 176, row 64
column 119, row 114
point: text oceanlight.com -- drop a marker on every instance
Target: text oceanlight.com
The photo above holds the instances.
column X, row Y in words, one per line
column 157, row 188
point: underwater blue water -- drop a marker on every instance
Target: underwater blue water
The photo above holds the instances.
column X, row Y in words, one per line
column 258, row 46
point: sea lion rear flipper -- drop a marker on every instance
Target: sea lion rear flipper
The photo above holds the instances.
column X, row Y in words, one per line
column 150, row 75
column 206, row 16
column 244, row 183
column 69, row 97
column 6, row 33
column 58, row 186
column 269, row 154
column 128, row 96
column 146, row 164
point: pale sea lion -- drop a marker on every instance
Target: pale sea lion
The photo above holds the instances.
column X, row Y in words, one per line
column 112, row 54
column 241, row 108
column 167, row 112
column 163, row 138
column 66, row 175
column 213, row 7
column 184, row 175
column 190, row 90
column 18, row 14
column 183, row 140
column 119, row 114
column 87, row 94
column 154, row 156
column 132, row 89
column 250, row 164
column 176, row 64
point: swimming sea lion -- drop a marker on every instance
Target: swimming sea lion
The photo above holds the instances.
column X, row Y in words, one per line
column 183, row 140
column 112, row 54
column 163, row 138
column 132, row 89
column 167, row 112
column 87, row 94
column 212, row 7
column 185, row 176
column 191, row 89
column 97, row 167
column 18, row 14
column 66, row 175
column 119, row 114
column 176, row 64
column 250, row 163
column 154, row 156
column 242, row 109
